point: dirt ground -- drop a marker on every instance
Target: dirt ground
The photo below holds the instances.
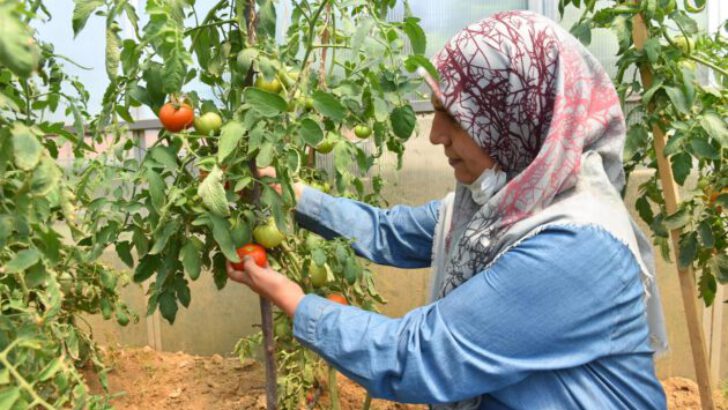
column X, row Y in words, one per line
column 143, row 379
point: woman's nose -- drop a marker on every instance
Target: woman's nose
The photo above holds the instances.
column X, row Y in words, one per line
column 439, row 132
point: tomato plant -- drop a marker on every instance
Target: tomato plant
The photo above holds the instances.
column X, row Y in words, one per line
column 690, row 106
column 50, row 272
column 339, row 65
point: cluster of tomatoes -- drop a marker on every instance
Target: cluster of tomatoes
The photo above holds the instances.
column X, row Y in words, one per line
column 267, row 237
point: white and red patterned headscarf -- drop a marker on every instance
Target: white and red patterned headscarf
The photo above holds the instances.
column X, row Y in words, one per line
column 542, row 106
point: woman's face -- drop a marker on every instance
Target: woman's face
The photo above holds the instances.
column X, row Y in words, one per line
column 466, row 158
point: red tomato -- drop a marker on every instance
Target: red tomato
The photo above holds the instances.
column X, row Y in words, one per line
column 257, row 252
column 176, row 117
column 338, row 298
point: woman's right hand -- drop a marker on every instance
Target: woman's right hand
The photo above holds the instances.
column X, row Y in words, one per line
column 271, row 173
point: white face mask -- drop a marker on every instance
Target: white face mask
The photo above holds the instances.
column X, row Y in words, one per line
column 487, row 184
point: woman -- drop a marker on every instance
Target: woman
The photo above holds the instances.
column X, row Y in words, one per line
column 543, row 285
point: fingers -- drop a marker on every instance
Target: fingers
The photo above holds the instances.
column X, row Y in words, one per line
column 266, row 172
column 237, row 275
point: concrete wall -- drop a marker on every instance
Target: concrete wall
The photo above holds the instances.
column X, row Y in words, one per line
column 216, row 320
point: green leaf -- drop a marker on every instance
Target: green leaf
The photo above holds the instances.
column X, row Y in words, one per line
column 264, row 102
column 678, row 219
column 147, row 266
column 230, row 134
column 8, row 397
column 162, row 235
column 168, row 306
column 363, row 30
column 163, row 156
column 413, row 62
column 26, row 147
column 311, row 132
column 722, row 200
column 652, row 49
column 266, row 19
column 403, row 121
column 183, row 293
column 636, row 139
column 688, row 250
column 716, row 128
column 582, row 31
column 113, row 52
column 18, row 50
column 416, row 35
column 681, row 165
column 720, row 264
column 265, row 155
column 328, row 105
column 174, row 72
column 123, row 249
column 51, row 369
column 45, row 177
column 4, row 376
column 156, row 189
column 703, row 149
column 82, row 11
column 221, row 233
column 707, row 239
column 23, row 260
column 678, row 98
column 212, row 192
column 707, row 287
column 644, row 209
column 685, row 22
column 190, row 257
column 219, row 271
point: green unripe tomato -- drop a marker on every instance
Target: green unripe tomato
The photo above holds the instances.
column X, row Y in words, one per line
column 208, row 123
column 313, row 241
column 273, row 85
column 684, row 44
column 362, row 131
column 282, row 329
column 268, row 235
column 327, row 145
column 317, row 274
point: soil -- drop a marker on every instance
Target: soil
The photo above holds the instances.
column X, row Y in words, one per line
column 142, row 379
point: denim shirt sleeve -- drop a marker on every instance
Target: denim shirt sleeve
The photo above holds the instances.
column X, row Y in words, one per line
column 546, row 304
column 400, row 236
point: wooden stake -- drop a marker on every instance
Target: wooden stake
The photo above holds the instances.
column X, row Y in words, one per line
column 266, row 310
column 687, row 279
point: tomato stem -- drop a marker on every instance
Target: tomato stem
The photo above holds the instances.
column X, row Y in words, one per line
column 333, row 389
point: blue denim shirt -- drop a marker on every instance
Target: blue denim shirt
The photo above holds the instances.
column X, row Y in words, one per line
column 558, row 322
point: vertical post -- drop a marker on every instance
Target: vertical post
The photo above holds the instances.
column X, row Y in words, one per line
column 266, row 310
column 686, row 276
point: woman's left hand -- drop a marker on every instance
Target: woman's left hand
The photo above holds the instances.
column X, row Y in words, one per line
column 272, row 285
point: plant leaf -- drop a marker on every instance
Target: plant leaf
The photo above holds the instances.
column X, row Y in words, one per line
column 311, row 132
column 190, row 257
column 212, row 192
column 264, row 102
column 82, row 11
column 416, row 35
column 230, row 134
column 403, row 121
column 23, row 260
column 328, row 106
column 26, row 147
column 221, row 233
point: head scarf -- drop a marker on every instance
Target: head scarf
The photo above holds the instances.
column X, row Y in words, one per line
column 540, row 104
